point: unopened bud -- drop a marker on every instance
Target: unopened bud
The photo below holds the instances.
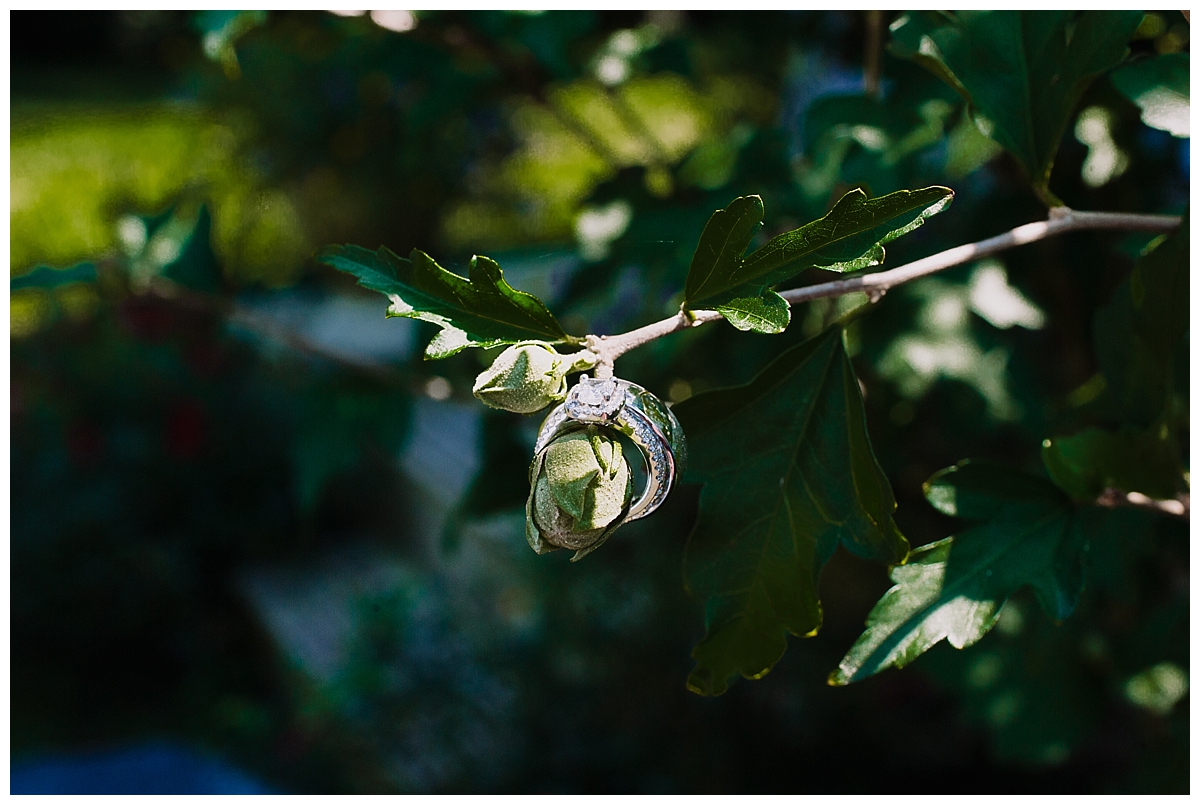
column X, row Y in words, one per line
column 524, row 378
column 581, row 491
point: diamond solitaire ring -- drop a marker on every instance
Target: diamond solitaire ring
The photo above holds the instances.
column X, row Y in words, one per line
column 631, row 410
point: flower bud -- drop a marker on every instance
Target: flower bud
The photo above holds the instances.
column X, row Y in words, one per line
column 524, row 378
column 581, row 492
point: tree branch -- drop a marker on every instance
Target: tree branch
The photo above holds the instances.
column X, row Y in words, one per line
column 871, row 52
column 231, row 311
column 1179, row 507
column 1062, row 219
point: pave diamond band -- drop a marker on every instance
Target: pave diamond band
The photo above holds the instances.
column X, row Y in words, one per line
column 631, row 410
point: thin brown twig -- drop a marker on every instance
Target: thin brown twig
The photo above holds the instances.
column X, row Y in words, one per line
column 1061, row 219
column 871, row 55
column 242, row 316
column 1179, row 507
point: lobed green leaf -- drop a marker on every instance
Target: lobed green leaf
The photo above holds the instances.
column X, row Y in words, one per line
column 1023, row 71
column 788, row 474
column 849, row 237
column 480, row 311
column 954, row 589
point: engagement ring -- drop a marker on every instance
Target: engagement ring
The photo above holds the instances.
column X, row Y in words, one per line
column 631, row 410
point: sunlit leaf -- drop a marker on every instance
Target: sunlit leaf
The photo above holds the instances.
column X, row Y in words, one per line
column 848, row 238
column 1023, row 71
column 789, row 475
column 767, row 313
column 953, row 589
column 719, row 253
column 1161, row 88
column 484, row 311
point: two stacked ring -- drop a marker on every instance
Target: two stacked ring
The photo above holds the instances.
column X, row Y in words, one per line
column 630, row 410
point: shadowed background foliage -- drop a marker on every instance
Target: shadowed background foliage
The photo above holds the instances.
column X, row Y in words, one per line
column 248, row 520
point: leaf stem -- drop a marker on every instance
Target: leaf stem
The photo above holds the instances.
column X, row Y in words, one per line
column 1061, row 219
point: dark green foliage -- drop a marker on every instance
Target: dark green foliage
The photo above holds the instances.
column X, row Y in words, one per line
column 1142, row 346
column 197, row 267
column 789, row 475
column 1024, row 71
column 481, row 311
column 1030, row 682
column 1039, row 686
column 1088, row 462
column 978, row 490
column 1141, row 334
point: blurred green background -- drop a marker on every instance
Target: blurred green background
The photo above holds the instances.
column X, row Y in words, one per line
column 248, row 520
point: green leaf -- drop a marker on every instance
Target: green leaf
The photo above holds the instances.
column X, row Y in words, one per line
column 978, row 490
column 1161, row 87
column 1024, row 71
column 722, row 243
column 909, row 35
column 968, row 148
column 1086, row 464
column 767, row 313
column 1141, row 336
column 484, row 311
column 788, row 474
column 953, row 589
column 848, row 238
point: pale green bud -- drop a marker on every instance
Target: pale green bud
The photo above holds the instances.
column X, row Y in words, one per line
column 527, row 377
column 581, row 491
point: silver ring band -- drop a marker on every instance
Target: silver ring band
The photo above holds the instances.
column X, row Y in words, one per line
column 631, row 410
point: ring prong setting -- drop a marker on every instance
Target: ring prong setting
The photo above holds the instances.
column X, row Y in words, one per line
column 595, row 400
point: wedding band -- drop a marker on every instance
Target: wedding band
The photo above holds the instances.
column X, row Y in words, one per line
column 631, row 410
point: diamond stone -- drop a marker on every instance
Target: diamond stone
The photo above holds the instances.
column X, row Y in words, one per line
column 590, row 394
column 595, row 400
